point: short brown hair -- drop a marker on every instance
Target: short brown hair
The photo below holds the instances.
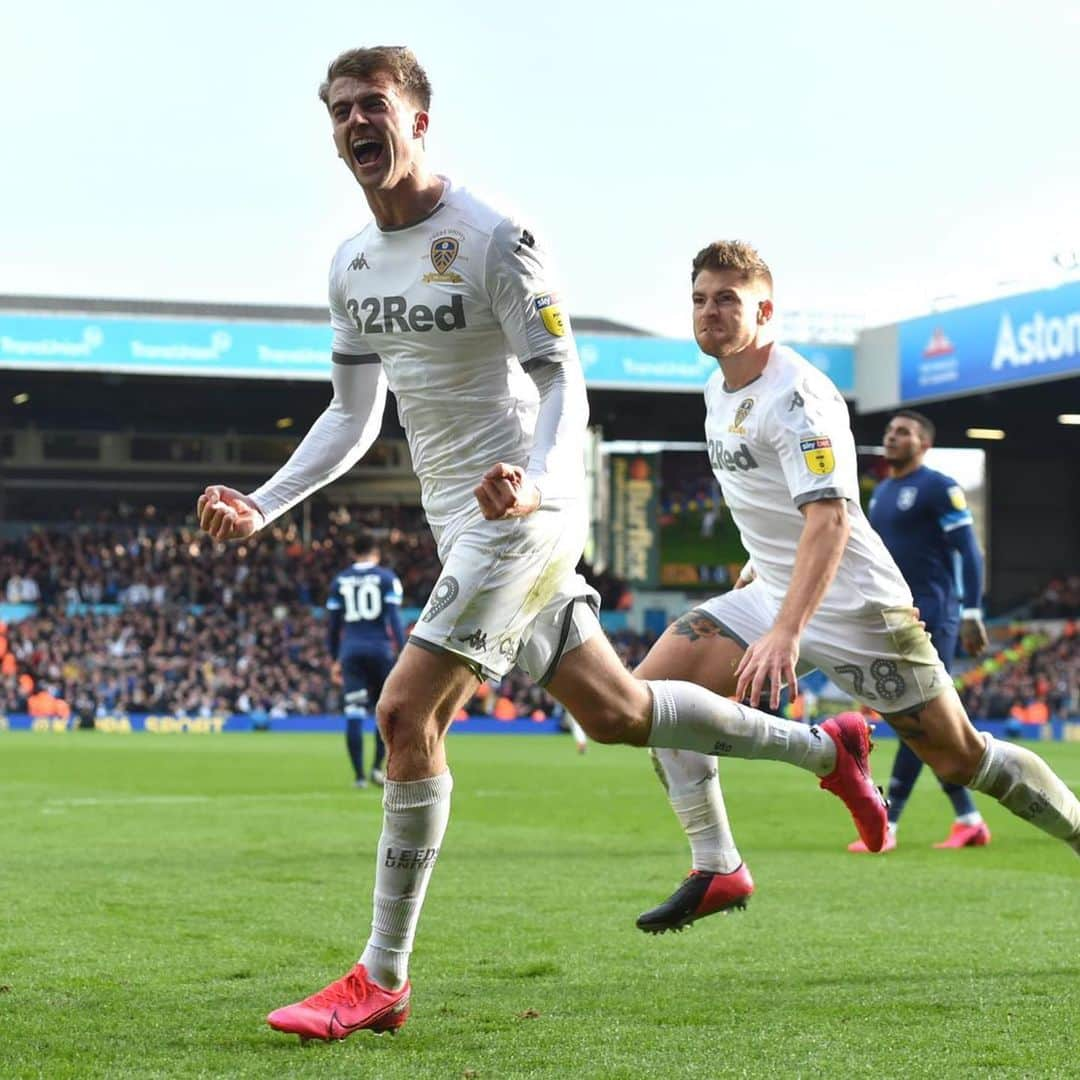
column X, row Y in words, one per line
column 733, row 255
column 394, row 60
column 924, row 422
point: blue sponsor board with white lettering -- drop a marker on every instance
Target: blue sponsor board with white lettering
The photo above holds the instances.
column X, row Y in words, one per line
column 165, row 346
column 229, row 724
column 122, row 724
column 281, row 350
column 673, row 364
column 1018, row 339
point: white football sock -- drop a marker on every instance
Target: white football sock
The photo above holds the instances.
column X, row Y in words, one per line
column 974, row 818
column 688, row 717
column 693, row 787
column 1023, row 783
column 415, row 813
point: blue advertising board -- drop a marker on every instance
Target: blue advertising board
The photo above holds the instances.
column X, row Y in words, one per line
column 1058, row 730
column 1017, row 339
column 232, row 723
column 277, row 350
column 160, row 346
column 673, row 364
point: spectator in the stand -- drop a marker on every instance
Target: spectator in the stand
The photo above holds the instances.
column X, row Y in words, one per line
column 1059, row 600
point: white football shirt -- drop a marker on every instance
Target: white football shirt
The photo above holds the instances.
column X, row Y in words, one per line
column 778, row 443
column 452, row 307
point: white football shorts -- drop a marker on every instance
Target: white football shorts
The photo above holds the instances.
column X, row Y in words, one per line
column 883, row 658
column 510, row 594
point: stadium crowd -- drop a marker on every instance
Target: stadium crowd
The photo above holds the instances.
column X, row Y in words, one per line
column 136, row 614
column 139, row 615
column 1059, row 600
column 1038, row 686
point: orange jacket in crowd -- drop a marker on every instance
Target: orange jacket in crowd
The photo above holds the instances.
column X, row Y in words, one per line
column 44, row 704
column 1036, row 713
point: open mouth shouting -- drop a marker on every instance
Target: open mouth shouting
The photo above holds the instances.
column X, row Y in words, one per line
column 367, row 152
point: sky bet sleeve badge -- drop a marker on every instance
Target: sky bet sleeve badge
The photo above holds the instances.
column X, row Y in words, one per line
column 956, row 497
column 818, row 455
column 551, row 313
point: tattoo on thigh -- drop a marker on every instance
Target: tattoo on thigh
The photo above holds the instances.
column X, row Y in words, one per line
column 695, row 626
column 907, row 726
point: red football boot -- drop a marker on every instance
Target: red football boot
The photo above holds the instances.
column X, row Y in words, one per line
column 857, row 847
column 702, row 893
column 353, row 1003
column 851, row 781
column 966, row 836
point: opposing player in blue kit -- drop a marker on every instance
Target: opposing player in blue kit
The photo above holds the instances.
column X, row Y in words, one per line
column 364, row 615
column 923, row 517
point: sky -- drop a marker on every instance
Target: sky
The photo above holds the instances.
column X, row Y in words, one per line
column 885, row 159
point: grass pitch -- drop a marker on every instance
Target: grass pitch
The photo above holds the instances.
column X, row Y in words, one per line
column 161, row 894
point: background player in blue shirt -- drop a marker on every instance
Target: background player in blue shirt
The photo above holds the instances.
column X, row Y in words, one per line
column 364, row 605
column 923, row 518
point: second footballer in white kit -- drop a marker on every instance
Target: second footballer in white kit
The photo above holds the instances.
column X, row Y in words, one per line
column 823, row 592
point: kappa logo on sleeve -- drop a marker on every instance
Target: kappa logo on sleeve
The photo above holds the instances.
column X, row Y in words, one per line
column 551, row 313
column 957, row 498
column 818, row 454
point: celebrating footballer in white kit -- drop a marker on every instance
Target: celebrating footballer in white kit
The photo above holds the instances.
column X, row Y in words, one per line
column 449, row 303
column 441, row 310
column 823, row 592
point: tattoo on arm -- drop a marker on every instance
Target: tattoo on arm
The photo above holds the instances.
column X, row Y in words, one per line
column 695, row 626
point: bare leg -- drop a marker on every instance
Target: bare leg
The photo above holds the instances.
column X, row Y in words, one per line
column 943, row 737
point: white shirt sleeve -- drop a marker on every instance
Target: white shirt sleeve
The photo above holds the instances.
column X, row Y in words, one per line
column 336, row 441
column 524, row 297
column 811, row 431
column 557, row 461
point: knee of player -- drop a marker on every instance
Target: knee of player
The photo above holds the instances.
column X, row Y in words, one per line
column 614, row 720
column 602, row 727
column 392, row 719
column 957, row 766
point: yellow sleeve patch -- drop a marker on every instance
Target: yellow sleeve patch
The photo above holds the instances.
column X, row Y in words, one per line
column 956, row 497
column 818, row 454
column 551, row 313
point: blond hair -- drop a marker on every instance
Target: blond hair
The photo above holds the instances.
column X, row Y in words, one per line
column 394, row 60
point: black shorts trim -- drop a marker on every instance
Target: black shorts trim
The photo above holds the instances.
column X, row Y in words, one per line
column 441, row 650
column 568, row 621
column 349, row 359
